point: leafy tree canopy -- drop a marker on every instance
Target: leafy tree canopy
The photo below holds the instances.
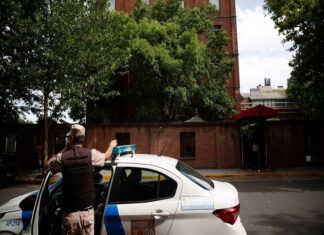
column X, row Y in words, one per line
column 302, row 23
column 58, row 54
column 15, row 18
column 61, row 55
column 178, row 64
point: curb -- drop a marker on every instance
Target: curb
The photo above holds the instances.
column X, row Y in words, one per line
column 265, row 174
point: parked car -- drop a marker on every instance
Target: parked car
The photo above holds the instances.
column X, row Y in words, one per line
column 8, row 167
column 137, row 194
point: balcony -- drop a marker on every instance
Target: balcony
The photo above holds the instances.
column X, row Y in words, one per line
column 279, row 106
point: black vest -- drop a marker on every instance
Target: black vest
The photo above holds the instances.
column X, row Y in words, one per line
column 77, row 182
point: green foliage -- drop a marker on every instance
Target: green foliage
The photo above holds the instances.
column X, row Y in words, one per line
column 68, row 55
column 60, row 55
column 302, row 23
column 172, row 69
column 15, row 20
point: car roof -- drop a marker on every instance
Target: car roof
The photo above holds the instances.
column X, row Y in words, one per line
column 147, row 159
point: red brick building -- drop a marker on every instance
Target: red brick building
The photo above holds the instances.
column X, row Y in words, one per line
column 201, row 145
column 225, row 20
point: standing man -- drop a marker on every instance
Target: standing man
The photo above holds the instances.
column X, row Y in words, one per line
column 78, row 193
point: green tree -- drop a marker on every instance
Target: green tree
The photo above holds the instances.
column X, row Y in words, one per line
column 302, row 23
column 15, row 19
column 178, row 64
column 67, row 54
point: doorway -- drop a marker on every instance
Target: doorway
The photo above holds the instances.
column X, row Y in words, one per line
column 254, row 146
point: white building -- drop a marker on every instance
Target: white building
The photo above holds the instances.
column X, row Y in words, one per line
column 275, row 98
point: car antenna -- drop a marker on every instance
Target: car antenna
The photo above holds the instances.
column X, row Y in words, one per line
column 162, row 150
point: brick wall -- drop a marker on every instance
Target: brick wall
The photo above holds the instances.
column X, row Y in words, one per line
column 287, row 143
column 217, row 146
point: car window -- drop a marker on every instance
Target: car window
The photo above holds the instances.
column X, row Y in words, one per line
column 102, row 176
column 135, row 185
column 194, row 176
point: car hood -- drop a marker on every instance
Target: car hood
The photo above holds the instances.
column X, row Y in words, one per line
column 225, row 195
column 13, row 204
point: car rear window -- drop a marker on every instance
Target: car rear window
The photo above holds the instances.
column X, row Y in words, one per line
column 194, row 176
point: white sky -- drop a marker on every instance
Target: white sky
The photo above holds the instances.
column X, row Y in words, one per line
column 261, row 52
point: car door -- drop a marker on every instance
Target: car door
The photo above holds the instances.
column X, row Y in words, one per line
column 38, row 220
column 142, row 201
column 47, row 213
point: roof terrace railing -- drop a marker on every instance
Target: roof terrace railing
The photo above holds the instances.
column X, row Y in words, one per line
column 273, row 105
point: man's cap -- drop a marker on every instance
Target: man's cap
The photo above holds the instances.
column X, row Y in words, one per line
column 76, row 130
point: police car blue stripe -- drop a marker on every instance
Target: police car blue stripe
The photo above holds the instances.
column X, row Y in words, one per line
column 113, row 223
column 26, row 217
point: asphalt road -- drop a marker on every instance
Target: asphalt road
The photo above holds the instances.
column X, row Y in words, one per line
column 9, row 191
column 282, row 206
column 269, row 206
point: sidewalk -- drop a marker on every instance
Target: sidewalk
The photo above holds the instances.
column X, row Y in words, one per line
column 278, row 172
column 35, row 176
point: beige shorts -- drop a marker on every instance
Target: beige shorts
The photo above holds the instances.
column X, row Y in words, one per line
column 79, row 222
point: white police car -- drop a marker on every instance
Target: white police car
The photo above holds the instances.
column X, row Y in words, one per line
column 141, row 194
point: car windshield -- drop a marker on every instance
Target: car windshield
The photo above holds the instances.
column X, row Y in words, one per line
column 194, row 176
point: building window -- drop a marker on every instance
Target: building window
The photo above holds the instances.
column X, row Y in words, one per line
column 112, row 5
column 217, row 28
column 216, row 3
column 11, row 144
column 312, row 146
column 187, row 145
column 123, row 138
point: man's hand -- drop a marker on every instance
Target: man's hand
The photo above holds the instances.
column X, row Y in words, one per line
column 108, row 153
column 113, row 143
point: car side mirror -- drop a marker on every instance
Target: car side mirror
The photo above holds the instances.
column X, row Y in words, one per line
column 28, row 203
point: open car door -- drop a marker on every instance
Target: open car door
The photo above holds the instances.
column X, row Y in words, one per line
column 38, row 223
column 47, row 212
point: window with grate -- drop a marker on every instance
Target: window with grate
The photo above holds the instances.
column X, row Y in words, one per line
column 11, row 144
column 187, row 145
column 123, row 138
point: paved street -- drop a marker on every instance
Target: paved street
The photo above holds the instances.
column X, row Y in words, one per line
column 269, row 206
column 10, row 191
column 282, row 205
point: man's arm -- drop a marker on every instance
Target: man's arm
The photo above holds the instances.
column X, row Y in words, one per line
column 50, row 160
column 54, row 157
column 108, row 152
